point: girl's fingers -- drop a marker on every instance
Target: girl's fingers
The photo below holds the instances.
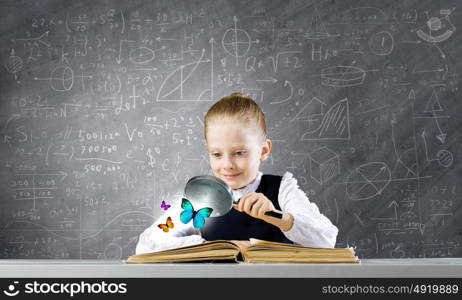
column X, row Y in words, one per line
column 249, row 202
column 254, row 204
column 262, row 210
column 256, row 208
column 240, row 205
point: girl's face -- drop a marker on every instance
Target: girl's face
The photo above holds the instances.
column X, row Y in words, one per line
column 235, row 150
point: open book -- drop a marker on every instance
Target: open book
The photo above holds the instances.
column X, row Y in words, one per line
column 252, row 251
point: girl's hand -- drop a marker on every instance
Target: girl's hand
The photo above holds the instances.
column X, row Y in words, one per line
column 255, row 205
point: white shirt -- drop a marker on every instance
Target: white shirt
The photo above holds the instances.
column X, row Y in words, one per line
column 311, row 228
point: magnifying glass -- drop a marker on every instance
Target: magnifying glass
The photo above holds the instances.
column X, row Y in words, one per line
column 211, row 191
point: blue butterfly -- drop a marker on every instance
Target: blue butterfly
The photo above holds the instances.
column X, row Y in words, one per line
column 189, row 213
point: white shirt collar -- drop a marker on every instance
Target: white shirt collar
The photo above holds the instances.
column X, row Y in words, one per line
column 251, row 187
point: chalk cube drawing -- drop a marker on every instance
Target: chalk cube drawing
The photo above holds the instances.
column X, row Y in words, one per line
column 324, row 164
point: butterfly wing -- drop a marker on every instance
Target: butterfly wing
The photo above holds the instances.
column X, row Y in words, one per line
column 170, row 223
column 186, row 205
column 164, row 227
column 188, row 211
column 201, row 215
column 163, row 204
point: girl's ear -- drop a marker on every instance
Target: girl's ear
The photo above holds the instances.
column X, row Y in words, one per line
column 266, row 149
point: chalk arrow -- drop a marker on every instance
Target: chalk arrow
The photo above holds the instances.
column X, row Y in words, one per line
column 441, row 137
column 273, row 80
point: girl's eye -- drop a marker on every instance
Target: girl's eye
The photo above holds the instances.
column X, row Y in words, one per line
column 239, row 153
column 216, row 154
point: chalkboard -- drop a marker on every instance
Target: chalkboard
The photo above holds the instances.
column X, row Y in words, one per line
column 102, row 105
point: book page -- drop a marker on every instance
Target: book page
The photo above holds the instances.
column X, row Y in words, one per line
column 242, row 244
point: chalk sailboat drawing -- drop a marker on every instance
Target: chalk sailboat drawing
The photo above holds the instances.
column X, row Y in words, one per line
column 317, row 29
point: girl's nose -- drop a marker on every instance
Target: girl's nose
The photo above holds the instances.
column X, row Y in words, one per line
column 228, row 162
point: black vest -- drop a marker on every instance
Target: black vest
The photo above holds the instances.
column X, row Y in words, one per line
column 236, row 225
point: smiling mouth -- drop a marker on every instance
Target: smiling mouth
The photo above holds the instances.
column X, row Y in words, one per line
column 231, row 176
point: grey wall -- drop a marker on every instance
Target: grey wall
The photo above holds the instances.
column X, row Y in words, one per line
column 102, row 102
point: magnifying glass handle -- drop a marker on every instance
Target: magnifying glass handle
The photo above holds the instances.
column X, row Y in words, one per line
column 273, row 214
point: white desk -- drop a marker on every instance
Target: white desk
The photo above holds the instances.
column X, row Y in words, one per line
column 377, row 268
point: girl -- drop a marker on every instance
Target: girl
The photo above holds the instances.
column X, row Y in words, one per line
column 235, row 134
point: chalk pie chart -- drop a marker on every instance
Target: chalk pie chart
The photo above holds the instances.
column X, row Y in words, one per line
column 368, row 181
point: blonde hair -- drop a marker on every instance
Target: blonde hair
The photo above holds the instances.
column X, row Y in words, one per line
column 239, row 106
